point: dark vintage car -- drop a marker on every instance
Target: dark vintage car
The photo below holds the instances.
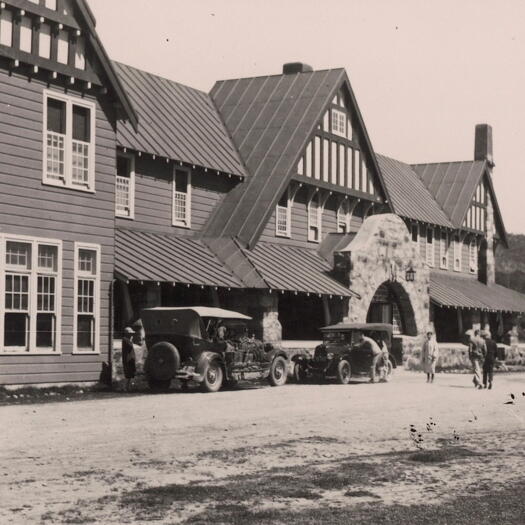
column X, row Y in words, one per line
column 338, row 358
column 209, row 346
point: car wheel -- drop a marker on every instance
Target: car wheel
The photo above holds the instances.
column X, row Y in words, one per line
column 159, row 385
column 387, row 371
column 278, row 371
column 213, row 376
column 299, row 373
column 344, row 372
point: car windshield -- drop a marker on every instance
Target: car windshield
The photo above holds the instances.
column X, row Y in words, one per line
column 336, row 337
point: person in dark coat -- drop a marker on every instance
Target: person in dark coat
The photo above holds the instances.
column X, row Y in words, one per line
column 490, row 359
column 128, row 356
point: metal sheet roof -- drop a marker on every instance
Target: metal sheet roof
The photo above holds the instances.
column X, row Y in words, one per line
column 463, row 292
column 270, row 120
column 294, row 269
column 144, row 256
column 453, row 185
column 409, row 197
column 203, row 311
column 176, row 122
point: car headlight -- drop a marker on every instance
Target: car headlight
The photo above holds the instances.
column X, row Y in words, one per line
column 330, row 355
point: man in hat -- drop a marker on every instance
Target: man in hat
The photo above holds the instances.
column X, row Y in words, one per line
column 490, row 359
column 429, row 356
column 128, row 356
column 477, row 351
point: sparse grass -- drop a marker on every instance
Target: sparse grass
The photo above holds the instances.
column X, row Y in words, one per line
column 442, row 455
column 33, row 395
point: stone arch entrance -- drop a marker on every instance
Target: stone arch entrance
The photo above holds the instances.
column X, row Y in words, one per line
column 391, row 304
column 380, row 254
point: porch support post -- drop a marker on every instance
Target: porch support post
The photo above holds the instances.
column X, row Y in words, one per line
column 460, row 321
column 326, row 311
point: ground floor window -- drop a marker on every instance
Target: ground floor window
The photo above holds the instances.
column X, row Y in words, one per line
column 87, row 297
column 30, row 309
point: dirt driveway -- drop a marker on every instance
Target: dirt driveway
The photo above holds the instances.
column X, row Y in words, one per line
column 258, row 455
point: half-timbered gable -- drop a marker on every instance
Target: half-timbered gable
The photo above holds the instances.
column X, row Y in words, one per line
column 303, row 127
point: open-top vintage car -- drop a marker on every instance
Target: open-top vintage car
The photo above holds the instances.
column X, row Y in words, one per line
column 209, row 346
column 338, row 357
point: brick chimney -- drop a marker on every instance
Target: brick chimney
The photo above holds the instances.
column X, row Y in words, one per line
column 291, row 68
column 483, row 144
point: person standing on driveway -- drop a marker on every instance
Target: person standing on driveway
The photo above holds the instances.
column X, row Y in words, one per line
column 367, row 343
column 429, row 356
column 477, row 351
column 128, row 356
column 490, row 359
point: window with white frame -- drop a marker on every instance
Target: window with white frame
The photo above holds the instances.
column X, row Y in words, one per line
column 87, row 298
column 182, row 198
column 314, row 219
column 69, row 142
column 343, row 217
column 473, row 256
column 30, row 320
column 283, row 216
column 430, row 246
column 443, row 250
column 457, row 253
column 339, row 123
column 125, row 186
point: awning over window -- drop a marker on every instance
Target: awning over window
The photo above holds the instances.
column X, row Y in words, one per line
column 295, row 269
column 464, row 292
column 141, row 256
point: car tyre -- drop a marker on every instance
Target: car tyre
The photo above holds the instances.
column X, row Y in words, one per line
column 278, row 371
column 299, row 373
column 344, row 372
column 159, row 385
column 213, row 377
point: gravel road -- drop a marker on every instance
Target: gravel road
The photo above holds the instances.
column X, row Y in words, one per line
column 61, row 456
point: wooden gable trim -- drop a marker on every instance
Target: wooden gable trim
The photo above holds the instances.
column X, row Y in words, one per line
column 49, row 14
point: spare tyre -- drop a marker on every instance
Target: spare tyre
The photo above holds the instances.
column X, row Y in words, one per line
column 162, row 362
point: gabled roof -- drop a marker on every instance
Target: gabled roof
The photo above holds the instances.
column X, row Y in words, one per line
column 453, row 185
column 107, row 66
column 409, row 197
column 176, row 122
column 271, row 119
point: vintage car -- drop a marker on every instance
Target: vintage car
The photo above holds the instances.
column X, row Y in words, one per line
column 339, row 358
column 209, row 346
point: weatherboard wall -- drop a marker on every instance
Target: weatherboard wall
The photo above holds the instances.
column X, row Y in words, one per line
column 30, row 208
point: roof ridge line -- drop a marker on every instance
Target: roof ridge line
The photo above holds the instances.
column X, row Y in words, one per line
column 280, row 74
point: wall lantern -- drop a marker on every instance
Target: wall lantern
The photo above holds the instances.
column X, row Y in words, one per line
column 410, row 274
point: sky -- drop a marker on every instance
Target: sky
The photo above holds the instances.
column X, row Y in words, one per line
column 424, row 72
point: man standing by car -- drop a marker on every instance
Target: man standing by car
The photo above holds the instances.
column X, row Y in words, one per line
column 490, row 359
column 368, row 344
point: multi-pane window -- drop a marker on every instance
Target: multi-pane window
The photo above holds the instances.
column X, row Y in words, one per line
column 182, row 198
column 69, row 142
column 314, row 219
column 473, row 256
column 339, row 123
column 430, row 247
column 414, row 230
column 125, row 186
column 443, row 250
column 87, row 286
column 31, row 301
column 343, row 217
column 283, row 217
column 457, row 253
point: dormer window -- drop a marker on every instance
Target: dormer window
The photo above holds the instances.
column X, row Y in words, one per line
column 69, row 142
column 343, row 218
column 182, row 198
column 338, row 122
column 283, row 216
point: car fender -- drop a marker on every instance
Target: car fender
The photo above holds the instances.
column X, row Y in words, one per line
column 205, row 358
column 392, row 360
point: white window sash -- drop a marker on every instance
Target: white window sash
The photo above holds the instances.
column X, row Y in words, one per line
column 82, row 275
column 315, row 216
column 457, row 254
column 32, row 311
column 180, row 198
column 87, row 182
column 126, row 212
column 430, row 250
column 443, row 251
